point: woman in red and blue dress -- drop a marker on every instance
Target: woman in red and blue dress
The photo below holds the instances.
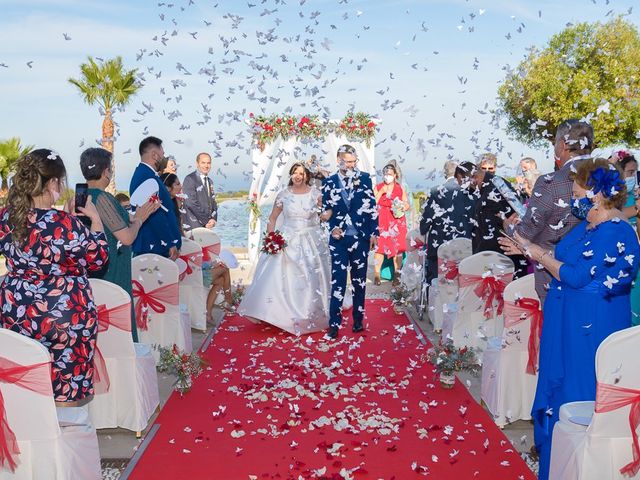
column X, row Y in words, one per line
column 45, row 294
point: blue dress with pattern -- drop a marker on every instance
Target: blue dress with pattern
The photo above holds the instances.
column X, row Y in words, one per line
column 588, row 303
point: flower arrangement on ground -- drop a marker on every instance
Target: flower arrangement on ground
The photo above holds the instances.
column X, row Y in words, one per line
column 273, row 243
column 400, row 296
column 254, row 211
column 185, row 366
column 237, row 295
column 448, row 359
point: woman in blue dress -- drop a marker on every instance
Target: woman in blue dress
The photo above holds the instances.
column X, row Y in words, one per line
column 593, row 267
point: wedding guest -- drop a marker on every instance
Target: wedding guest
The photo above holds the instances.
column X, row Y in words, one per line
column 548, row 217
column 124, row 200
column 488, row 162
column 220, row 283
column 160, row 233
column 490, row 210
column 172, row 182
column 447, row 214
column 120, row 228
column 46, row 294
column 171, row 167
column 592, row 268
column 392, row 224
column 200, row 199
column 526, row 181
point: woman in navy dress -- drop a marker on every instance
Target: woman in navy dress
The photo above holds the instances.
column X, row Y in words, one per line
column 593, row 267
column 45, row 294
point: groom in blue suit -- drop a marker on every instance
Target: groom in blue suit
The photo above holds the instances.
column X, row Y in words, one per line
column 348, row 197
column 160, row 234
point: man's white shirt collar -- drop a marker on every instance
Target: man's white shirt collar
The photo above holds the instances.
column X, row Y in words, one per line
column 152, row 169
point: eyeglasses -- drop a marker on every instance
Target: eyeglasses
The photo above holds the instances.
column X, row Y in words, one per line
column 488, row 169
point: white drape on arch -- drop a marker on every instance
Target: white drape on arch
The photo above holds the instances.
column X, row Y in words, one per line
column 272, row 164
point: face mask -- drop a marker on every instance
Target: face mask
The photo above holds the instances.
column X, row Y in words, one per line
column 631, row 183
column 580, row 207
column 389, row 179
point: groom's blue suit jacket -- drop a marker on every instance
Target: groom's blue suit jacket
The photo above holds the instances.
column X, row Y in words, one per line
column 160, row 232
column 361, row 210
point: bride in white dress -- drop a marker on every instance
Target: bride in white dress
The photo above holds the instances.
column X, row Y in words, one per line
column 291, row 289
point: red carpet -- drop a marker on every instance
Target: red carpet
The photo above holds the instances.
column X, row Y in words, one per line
column 273, row 406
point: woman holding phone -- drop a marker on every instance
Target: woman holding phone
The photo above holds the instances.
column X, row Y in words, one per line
column 121, row 229
column 46, row 294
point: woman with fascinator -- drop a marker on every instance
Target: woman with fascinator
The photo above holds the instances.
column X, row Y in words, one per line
column 592, row 268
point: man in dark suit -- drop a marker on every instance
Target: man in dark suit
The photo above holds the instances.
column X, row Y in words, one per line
column 448, row 213
column 160, row 233
column 348, row 197
column 548, row 218
column 201, row 208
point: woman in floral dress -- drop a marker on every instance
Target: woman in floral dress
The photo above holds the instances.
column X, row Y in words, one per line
column 46, row 294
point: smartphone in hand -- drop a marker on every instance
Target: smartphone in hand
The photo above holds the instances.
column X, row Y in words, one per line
column 82, row 192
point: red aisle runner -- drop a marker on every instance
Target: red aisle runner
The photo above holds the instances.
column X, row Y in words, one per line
column 273, row 406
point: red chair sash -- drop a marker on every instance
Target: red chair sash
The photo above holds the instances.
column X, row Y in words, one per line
column 194, row 259
column 523, row 309
column 612, row 397
column 37, row 378
column 209, row 250
column 154, row 299
column 118, row 317
column 489, row 288
column 448, row 268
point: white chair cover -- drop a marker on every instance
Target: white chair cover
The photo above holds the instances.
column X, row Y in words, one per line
column 168, row 327
column 208, row 241
column 450, row 254
column 50, row 448
column 507, row 389
column 470, row 326
column 604, row 447
column 192, row 291
column 411, row 274
column 133, row 381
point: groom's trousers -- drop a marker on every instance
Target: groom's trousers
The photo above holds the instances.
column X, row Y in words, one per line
column 347, row 252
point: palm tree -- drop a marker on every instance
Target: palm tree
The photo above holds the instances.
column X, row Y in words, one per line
column 10, row 152
column 109, row 85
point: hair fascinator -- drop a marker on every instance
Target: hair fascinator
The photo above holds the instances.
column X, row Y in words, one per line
column 607, row 181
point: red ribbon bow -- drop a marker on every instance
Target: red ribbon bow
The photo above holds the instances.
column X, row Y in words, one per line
column 489, row 289
column 153, row 299
column 449, row 268
column 523, row 309
column 37, row 378
column 612, row 397
column 119, row 317
column 192, row 258
column 209, row 250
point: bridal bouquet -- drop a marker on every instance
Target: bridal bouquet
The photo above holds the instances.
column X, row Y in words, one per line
column 397, row 208
column 185, row 366
column 273, row 243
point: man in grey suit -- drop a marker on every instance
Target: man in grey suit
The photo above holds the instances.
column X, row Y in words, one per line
column 548, row 216
column 201, row 208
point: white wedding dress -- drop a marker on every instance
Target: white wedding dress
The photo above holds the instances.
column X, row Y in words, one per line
column 291, row 289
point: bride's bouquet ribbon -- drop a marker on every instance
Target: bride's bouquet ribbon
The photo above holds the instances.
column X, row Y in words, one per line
column 449, row 268
column 37, row 378
column 118, row 317
column 612, row 397
column 523, row 309
column 209, row 250
column 194, row 259
column 489, row 288
column 155, row 299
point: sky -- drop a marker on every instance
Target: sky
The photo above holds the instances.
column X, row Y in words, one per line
column 427, row 69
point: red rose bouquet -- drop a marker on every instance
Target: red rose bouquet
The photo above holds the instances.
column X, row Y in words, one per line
column 273, row 243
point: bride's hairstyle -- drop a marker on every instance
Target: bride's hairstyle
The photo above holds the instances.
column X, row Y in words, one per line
column 307, row 173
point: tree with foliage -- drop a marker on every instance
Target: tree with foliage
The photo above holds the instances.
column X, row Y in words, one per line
column 109, row 85
column 10, row 151
column 587, row 71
